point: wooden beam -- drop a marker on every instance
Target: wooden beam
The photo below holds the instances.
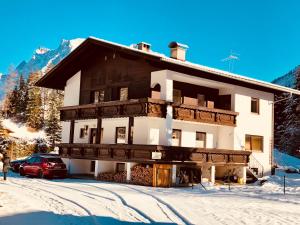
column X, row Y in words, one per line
column 99, row 131
column 130, row 130
column 71, row 137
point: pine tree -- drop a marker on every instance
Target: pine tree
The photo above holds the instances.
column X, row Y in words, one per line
column 12, row 103
column 53, row 128
column 34, row 109
column 22, row 99
column 287, row 123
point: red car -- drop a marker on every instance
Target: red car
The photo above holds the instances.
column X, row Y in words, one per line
column 44, row 166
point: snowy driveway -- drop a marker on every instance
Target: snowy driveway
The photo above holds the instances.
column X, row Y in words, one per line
column 43, row 202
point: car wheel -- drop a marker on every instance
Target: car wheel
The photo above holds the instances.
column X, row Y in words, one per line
column 22, row 173
column 40, row 174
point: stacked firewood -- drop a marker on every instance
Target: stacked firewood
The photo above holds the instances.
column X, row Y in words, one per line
column 107, row 176
column 116, row 177
column 120, row 177
column 141, row 175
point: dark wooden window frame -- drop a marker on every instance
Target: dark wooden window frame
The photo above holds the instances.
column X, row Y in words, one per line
column 116, row 135
column 257, row 105
column 251, row 148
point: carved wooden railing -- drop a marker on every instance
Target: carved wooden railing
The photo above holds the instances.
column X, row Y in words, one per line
column 124, row 152
column 204, row 114
column 114, row 109
column 148, row 107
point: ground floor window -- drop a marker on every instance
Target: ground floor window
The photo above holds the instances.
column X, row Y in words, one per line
column 120, row 167
column 92, row 166
column 254, row 142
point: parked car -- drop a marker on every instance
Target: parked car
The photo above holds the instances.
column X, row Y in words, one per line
column 44, row 165
column 15, row 164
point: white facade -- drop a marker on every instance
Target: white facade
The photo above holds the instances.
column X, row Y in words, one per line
column 158, row 131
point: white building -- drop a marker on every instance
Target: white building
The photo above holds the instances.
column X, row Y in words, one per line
column 185, row 122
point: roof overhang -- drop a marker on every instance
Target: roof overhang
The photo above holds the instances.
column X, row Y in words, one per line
column 57, row 76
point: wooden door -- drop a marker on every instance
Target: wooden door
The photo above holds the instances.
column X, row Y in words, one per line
column 162, row 175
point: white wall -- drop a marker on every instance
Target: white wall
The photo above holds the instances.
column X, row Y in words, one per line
column 109, row 129
column 72, row 90
column 79, row 166
column 189, row 129
column 254, row 124
column 65, row 132
column 80, row 124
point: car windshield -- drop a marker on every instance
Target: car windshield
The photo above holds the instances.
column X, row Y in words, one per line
column 55, row 160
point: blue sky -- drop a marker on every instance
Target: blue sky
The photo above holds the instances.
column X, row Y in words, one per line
column 266, row 33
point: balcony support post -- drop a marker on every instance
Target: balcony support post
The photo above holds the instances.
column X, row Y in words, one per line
column 71, row 137
column 99, row 130
column 130, row 130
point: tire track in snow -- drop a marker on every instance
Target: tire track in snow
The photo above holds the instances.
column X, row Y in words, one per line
column 167, row 205
column 94, row 220
column 123, row 202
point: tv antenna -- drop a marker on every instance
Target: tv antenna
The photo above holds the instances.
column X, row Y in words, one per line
column 231, row 59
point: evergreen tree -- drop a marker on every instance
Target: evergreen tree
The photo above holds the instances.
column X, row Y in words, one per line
column 22, row 98
column 287, row 121
column 53, row 128
column 34, row 109
column 12, row 103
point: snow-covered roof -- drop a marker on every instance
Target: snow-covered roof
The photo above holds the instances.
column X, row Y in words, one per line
column 163, row 58
column 208, row 69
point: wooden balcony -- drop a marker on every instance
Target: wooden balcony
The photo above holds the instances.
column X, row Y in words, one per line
column 204, row 114
column 115, row 109
column 146, row 153
column 148, row 107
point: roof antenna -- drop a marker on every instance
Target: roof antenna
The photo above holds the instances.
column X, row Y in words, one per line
column 231, row 59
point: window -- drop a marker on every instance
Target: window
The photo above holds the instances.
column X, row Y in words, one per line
column 120, row 167
column 200, row 140
column 176, row 137
column 120, row 135
column 201, row 100
column 83, row 132
column 254, row 105
column 123, row 93
column 97, row 96
column 177, row 96
column 92, row 166
column 254, row 143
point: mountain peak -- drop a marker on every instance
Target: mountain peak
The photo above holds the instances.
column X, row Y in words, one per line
column 43, row 58
column 41, row 50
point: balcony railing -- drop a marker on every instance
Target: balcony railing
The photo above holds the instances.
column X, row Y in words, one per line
column 153, row 153
column 148, row 107
column 115, row 109
column 204, row 114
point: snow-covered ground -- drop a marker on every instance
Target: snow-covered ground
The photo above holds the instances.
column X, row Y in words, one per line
column 72, row 201
column 30, row 201
column 21, row 131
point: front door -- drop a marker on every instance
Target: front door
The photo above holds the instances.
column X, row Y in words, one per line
column 93, row 134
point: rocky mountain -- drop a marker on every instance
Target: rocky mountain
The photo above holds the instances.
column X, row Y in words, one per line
column 287, row 80
column 41, row 59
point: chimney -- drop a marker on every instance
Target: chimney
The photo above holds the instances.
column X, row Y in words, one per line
column 178, row 50
column 144, row 46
